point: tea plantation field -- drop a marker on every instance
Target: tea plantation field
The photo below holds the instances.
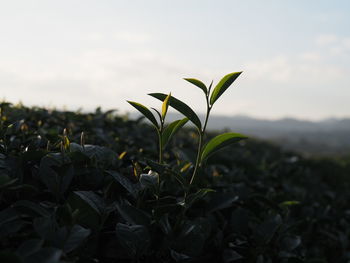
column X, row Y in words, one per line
column 87, row 187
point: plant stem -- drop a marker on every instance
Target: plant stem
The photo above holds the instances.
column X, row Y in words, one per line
column 207, row 115
column 160, row 159
column 160, row 132
column 198, row 155
column 200, row 142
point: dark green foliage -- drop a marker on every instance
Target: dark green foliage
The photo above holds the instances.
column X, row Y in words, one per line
column 96, row 199
column 181, row 107
column 220, row 142
column 171, row 129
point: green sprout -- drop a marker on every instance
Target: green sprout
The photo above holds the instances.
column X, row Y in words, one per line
column 165, row 132
column 211, row 96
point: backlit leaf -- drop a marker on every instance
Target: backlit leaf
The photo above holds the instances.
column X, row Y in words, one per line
column 199, row 84
column 165, row 106
column 223, row 85
column 219, row 142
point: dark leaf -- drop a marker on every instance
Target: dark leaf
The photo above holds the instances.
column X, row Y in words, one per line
column 28, row 206
column 171, row 129
column 220, row 142
column 29, row 247
column 148, row 180
column 134, row 239
column 45, row 255
column 133, row 215
column 88, row 207
column 199, row 84
column 265, row 231
column 231, row 256
column 92, row 199
column 145, row 112
column 181, row 107
column 200, row 194
column 131, row 187
column 289, row 243
column 76, row 235
column 220, row 201
column 9, row 257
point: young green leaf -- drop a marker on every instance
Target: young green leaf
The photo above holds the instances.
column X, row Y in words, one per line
column 199, row 84
column 223, row 85
column 219, row 142
column 181, row 107
column 171, row 129
column 165, row 106
column 145, row 112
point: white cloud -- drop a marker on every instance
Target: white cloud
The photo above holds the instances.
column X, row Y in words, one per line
column 311, row 67
column 277, row 69
column 274, row 86
column 325, row 40
column 333, row 45
column 95, row 77
column 311, row 56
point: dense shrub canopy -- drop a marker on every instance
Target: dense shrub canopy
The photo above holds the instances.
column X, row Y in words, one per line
column 94, row 197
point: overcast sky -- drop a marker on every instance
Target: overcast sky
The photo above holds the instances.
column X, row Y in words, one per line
column 295, row 55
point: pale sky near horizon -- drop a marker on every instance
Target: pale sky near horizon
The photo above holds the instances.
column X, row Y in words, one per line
column 295, row 55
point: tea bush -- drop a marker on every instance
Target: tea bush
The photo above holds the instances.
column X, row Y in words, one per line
column 112, row 194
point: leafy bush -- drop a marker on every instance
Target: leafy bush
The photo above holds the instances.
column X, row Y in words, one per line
column 100, row 196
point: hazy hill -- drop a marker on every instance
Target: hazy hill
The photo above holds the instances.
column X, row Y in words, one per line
column 330, row 136
column 327, row 137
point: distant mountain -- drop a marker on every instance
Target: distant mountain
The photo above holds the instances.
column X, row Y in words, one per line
column 326, row 137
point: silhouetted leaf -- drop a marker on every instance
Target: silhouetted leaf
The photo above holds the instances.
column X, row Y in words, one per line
column 131, row 187
column 266, row 230
column 29, row 247
column 56, row 172
column 230, row 256
column 26, row 206
column 171, row 129
column 133, row 215
column 45, row 255
column 145, row 112
column 6, row 181
column 9, row 257
column 134, row 239
column 89, row 207
column 165, row 224
column 290, row 242
column 92, row 199
column 8, row 215
column 181, row 107
column 220, row 201
column 193, row 236
column 200, row 194
column 76, row 235
column 148, row 180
